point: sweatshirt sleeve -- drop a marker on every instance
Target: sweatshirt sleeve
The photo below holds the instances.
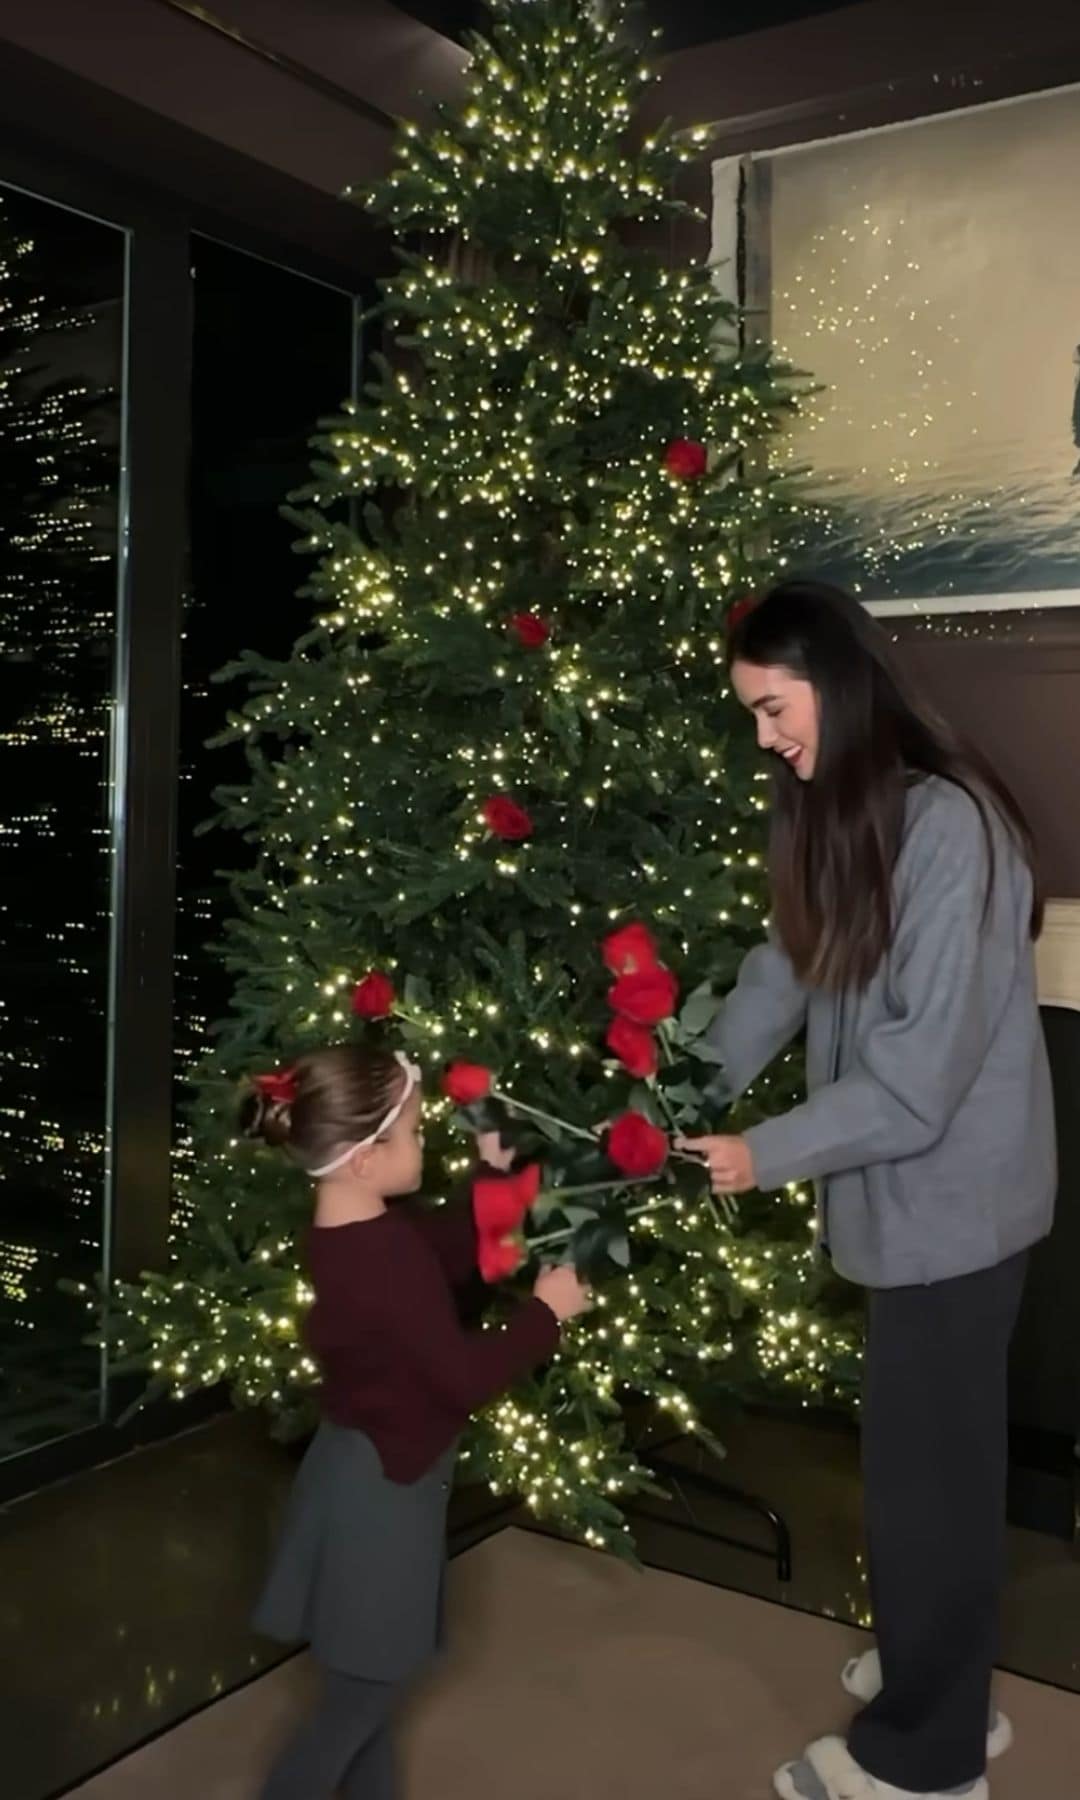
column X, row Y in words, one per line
column 951, row 967
column 765, row 1010
column 450, row 1231
column 467, row 1368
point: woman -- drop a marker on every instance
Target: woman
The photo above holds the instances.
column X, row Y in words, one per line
column 904, row 909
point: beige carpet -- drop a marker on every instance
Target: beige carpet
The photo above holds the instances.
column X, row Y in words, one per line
column 573, row 1678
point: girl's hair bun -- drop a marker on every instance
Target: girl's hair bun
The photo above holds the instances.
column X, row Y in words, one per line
column 266, row 1120
column 323, row 1102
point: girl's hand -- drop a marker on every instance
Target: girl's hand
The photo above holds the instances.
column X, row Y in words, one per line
column 728, row 1160
column 492, row 1151
column 563, row 1291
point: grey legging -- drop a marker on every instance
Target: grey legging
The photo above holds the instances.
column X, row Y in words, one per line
column 345, row 1747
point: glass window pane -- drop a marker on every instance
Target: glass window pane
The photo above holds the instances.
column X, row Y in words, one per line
column 273, row 353
column 62, row 330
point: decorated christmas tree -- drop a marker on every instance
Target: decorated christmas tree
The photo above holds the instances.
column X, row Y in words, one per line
column 507, row 734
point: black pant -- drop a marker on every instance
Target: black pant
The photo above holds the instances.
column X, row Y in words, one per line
column 346, row 1745
column 935, row 1452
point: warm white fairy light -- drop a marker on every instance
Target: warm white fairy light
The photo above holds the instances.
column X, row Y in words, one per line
column 410, row 705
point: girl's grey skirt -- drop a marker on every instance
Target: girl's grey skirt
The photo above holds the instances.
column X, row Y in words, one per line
column 359, row 1569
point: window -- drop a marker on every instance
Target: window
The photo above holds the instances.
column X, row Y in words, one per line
column 274, row 352
column 62, row 335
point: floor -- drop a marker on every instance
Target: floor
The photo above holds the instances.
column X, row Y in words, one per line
column 577, row 1677
column 809, row 1472
column 124, row 1593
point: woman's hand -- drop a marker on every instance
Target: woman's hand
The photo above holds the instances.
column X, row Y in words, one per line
column 728, row 1159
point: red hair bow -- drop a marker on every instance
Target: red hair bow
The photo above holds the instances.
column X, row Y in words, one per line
column 278, row 1088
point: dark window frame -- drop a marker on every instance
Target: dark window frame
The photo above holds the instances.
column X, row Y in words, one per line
column 153, row 551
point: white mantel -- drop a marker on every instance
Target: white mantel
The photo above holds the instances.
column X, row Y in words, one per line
column 1058, row 955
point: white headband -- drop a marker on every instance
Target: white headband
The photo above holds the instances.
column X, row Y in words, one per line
column 412, row 1080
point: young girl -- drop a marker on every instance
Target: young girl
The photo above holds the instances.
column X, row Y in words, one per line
column 358, row 1573
column 904, row 908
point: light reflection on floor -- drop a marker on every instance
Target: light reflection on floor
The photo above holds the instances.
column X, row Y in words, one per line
column 124, row 1594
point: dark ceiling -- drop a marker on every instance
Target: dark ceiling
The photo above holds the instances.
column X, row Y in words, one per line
column 685, row 23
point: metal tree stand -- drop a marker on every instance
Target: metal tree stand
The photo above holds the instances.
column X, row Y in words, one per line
column 681, row 1476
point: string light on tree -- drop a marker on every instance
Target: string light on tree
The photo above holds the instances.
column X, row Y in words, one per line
column 507, row 729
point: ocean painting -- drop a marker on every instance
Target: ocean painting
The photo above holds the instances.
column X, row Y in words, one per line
column 928, row 279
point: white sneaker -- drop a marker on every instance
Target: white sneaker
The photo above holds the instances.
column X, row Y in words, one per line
column 828, row 1771
column 862, row 1679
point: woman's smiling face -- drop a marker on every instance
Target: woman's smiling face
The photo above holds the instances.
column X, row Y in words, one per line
column 785, row 708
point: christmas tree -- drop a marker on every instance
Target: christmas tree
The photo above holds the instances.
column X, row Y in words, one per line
column 508, row 731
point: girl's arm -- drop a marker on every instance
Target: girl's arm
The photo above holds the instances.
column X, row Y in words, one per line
column 467, row 1368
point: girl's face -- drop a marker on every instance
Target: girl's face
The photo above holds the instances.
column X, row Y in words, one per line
column 786, row 710
column 396, row 1163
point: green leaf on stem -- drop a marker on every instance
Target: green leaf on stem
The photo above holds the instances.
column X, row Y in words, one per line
column 592, row 1247
column 699, row 1009
column 488, row 1115
column 619, row 1251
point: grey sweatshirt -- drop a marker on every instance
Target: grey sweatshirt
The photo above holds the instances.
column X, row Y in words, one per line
column 929, row 1126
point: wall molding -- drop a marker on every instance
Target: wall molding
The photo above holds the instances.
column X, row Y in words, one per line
column 1057, row 955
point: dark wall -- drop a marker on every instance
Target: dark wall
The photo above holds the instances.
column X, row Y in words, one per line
column 1046, row 1351
column 1016, row 694
column 866, row 64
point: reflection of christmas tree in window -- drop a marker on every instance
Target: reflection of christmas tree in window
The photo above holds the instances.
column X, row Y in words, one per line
column 57, row 579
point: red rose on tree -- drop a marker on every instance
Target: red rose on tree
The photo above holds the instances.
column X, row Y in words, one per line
column 629, row 948
column 635, row 1047
column 531, row 631
column 686, row 459
column 636, row 1146
column 738, row 610
column 645, row 995
column 374, row 996
column 506, row 819
column 464, row 1083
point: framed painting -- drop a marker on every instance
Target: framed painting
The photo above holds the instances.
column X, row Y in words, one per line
column 926, row 277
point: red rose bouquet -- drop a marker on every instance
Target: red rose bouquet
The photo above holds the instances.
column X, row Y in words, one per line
column 636, row 1146
column 466, row 1083
column 645, row 995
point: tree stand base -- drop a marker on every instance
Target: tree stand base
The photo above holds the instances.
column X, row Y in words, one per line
column 685, row 1480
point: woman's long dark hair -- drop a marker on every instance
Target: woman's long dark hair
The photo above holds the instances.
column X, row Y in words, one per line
column 835, row 839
